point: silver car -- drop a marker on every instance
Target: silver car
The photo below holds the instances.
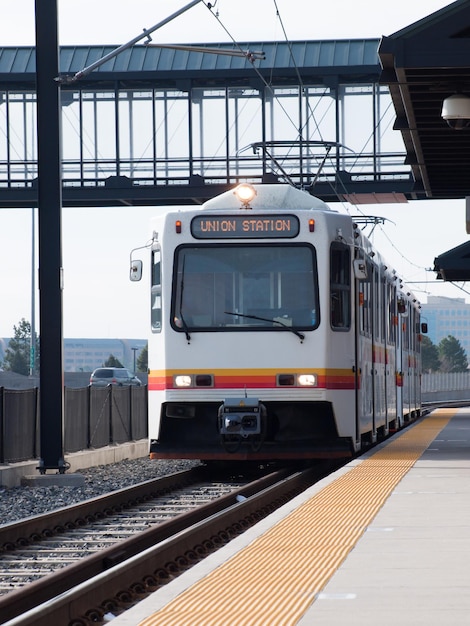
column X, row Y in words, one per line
column 120, row 376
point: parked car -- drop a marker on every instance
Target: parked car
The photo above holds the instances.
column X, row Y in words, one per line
column 104, row 376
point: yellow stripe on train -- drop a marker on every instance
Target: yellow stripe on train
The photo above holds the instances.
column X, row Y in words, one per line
column 250, row 378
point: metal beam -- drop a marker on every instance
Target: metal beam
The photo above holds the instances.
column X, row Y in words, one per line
column 146, row 34
column 50, row 244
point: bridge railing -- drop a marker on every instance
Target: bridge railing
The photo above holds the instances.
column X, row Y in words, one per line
column 300, row 168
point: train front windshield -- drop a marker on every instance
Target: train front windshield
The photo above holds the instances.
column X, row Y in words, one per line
column 245, row 286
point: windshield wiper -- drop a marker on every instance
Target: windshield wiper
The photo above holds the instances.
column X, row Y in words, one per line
column 183, row 323
column 271, row 321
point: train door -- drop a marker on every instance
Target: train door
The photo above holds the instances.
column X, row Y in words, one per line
column 405, row 358
column 341, row 345
column 378, row 352
column 399, row 375
column 415, row 361
column 363, row 368
column 420, row 329
column 391, row 322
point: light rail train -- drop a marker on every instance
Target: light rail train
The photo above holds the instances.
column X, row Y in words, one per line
column 277, row 332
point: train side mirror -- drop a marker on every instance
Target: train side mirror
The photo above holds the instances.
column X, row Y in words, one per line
column 360, row 269
column 136, row 271
column 424, row 328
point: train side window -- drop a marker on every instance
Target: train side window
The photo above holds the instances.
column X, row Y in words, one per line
column 156, row 293
column 392, row 319
column 340, row 286
column 365, row 301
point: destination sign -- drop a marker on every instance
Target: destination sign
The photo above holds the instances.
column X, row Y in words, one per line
column 244, row 226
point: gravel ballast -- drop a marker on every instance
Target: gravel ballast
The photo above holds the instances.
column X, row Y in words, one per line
column 19, row 502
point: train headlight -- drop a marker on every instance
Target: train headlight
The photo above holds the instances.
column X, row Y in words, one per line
column 245, row 193
column 183, row 380
column 307, row 380
column 193, row 380
column 297, row 380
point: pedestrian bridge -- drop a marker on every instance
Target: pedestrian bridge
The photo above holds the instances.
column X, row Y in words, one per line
column 159, row 126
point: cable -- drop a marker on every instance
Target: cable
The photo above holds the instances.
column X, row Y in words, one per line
column 260, row 76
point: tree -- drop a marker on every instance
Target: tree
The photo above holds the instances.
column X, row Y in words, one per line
column 143, row 360
column 18, row 354
column 112, row 361
column 429, row 355
column 452, row 355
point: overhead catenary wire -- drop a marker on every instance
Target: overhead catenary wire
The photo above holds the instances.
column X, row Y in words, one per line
column 341, row 182
column 299, row 130
column 259, row 74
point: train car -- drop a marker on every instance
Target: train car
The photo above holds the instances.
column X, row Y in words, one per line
column 277, row 332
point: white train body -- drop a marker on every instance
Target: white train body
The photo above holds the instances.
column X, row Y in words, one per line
column 277, row 332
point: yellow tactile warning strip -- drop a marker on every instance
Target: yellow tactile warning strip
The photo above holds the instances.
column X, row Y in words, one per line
column 278, row 576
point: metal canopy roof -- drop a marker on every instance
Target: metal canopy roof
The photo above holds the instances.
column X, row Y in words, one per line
column 423, row 64
column 160, row 65
column 454, row 265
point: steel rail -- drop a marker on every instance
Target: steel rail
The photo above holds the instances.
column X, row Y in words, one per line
column 31, row 529
column 442, row 404
column 116, row 577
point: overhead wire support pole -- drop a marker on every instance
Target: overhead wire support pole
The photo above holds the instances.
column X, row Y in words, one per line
column 51, row 394
column 146, row 33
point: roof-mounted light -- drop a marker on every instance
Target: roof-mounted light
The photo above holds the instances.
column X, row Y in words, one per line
column 245, row 193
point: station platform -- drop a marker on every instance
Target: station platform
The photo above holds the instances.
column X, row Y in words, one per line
column 384, row 540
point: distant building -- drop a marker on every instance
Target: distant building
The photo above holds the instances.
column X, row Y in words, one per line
column 447, row 316
column 84, row 355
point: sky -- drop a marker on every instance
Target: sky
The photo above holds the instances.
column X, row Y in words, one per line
column 98, row 298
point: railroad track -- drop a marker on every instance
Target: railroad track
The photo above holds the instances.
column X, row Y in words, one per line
column 70, row 535
column 75, row 565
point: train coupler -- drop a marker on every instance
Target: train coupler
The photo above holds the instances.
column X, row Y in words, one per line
column 241, row 416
